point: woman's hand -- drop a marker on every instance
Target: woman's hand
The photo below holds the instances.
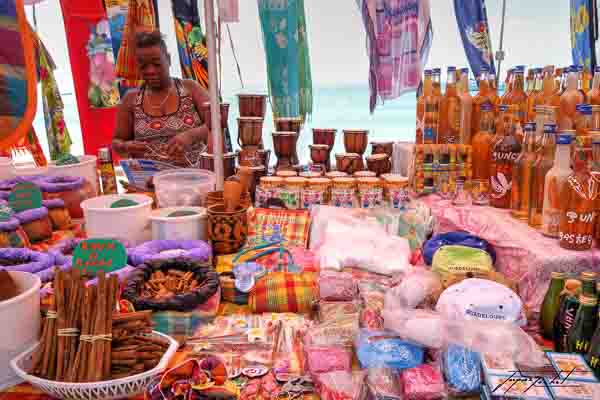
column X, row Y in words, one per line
column 178, row 144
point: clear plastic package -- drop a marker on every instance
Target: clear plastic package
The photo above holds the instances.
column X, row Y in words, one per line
column 424, row 382
column 334, row 286
column 342, row 385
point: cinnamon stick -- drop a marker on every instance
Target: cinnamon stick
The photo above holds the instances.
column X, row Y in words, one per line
column 59, row 295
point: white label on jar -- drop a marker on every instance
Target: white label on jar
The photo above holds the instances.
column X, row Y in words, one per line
column 371, row 198
column 343, row 198
column 312, row 198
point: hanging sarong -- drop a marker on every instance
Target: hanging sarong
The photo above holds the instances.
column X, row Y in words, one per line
column 285, row 40
column 18, row 83
column 140, row 18
column 104, row 89
column 472, row 21
column 59, row 140
column 582, row 36
column 191, row 42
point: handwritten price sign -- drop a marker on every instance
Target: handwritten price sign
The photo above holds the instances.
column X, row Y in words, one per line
column 93, row 255
column 25, row 196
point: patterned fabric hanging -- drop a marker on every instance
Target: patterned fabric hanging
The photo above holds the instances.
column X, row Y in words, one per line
column 582, row 36
column 191, row 42
column 59, row 140
column 288, row 64
column 140, row 18
column 104, row 89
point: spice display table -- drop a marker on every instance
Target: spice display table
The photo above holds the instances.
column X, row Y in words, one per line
column 523, row 254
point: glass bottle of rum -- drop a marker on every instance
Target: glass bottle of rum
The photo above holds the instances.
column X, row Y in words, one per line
column 522, row 177
column 466, row 107
column 482, row 145
column 551, row 304
column 542, row 165
column 555, row 180
column 517, row 96
column 569, row 100
column 421, row 105
column 431, row 123
column 504, row 153
column 450, row 111
column 482, row 97
column 593, row 96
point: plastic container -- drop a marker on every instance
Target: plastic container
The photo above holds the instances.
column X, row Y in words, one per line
column 23, row 332
column 127, row 223
column 183, row 187
column 185, row 227
column 86, row 168
column 6, row 169
column 29, row 171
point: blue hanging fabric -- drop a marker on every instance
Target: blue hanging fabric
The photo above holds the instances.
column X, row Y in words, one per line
column 471, row 17
column 582, row 33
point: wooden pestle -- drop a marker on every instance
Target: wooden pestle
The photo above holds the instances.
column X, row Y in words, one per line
column 245, row 174
column 232, row 192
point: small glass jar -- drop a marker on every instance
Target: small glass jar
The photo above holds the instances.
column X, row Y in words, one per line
column 316, row 192
column 343, row 192
column 292, row 192
column 268, row 188
column 370, row 192
column 397, row 191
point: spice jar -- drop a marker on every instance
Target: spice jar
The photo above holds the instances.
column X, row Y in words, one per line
column 370, row 192
column 397, row 191
column 578, row 215
column 268, row 189
column 316, row 192
column 343, row 192
column 291, row 192
column 286, row 173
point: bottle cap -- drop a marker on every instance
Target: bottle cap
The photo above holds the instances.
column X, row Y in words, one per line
column 588, row 301
column 529, row 126
column 580, row 68
column 485, row 68
column 539, row 70
column 557, row 275
column 451, row 68
column 579, row 107
column 104, row 154
column 464, row 70
column 503, row 108
column 564, row 138
column 437, row 70
column 597, row 68
column 586, row 109
column 588, row 275
column 427, row 72
column 486, row 107
column 520, row 69
column 549, row 128
column 573, row 68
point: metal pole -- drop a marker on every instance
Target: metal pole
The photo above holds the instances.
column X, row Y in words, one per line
column 35, row 27
column 500, row 52
column 213, row 82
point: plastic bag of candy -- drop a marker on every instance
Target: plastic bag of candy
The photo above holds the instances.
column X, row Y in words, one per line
column 330, row 311
column 383, row 384
column 383, row 349
column 462, row 370
column 321, row 359
column 372, row 298
column 334, row 286
column 341, row 385
column 341, row 332
column 418, row 288
column 424, row 382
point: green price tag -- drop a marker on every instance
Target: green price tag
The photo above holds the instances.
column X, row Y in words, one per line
column 6, row 213
column 93, row 255
column 25, row 196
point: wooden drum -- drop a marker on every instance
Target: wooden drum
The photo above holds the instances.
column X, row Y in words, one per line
column 348, row 162
column 288, row 124
column 355, row 141
column 207, row 161
column 319, row 154
column 250, row 131
column 284, row 144
column 252, row 105
column 379, row 164
column 382, row 148
column 324, row 136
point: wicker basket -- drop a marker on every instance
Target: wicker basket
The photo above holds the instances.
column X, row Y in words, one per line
column 106, row 390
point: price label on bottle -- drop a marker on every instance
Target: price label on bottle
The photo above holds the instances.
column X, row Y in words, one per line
column 25, row 196
column 94, row 255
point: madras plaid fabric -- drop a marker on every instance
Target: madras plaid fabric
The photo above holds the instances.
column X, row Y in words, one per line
column 293, row 225
column 229, row 292
column 283, row 292
column 140, row 18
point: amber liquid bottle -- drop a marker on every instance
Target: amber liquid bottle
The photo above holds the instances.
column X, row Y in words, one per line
column 431, row 124
column 544, row 162
column 593, row 96
column 482, row 145
column 504, row 154
column 482, row 97
column 517, row 96
column 466, row 107
column 534, row 98
column 556, row 178
column 450, row 111
column 569, row 100
column 494, row 98
column 522, row 178
column 421, row 105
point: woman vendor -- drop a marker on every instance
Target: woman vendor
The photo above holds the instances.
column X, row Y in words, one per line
column 160, row 120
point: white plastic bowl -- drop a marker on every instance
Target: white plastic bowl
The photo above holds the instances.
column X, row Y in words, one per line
column 20, row 317
column 183, row 187
column 125, row 223
column 189, row 227
column 86, row 168
column 6, row 169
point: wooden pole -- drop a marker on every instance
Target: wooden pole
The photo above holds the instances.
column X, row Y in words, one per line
column 213, row 82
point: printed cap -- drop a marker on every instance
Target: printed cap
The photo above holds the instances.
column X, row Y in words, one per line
column 529, row 126
column 549, row 128
column 564, row 138
column 486, row 107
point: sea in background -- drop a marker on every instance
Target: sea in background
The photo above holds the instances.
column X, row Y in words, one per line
column 344, row 107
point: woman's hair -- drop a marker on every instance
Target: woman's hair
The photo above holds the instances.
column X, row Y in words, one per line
column 144, row 40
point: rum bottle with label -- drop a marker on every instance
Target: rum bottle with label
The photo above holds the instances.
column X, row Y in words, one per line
column 504, row 154
column 450, row 111
column 466, row 106
column 108, row 178
column 421, row 105
column 569, row 100
column 578, row 207
column 593, row 96
column 482, row 97
column 542, row 165
column 569, row 304
column 517, row 96
column 482, row 145
column 431, row 125
column 551, row 304
column 522, row 177
column 556, row 178
column 584, row 326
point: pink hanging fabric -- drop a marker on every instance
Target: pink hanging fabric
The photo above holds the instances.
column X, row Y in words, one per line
column 229, row 11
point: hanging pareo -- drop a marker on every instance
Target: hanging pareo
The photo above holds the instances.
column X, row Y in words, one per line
column 288, row 64
column 104, row 89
